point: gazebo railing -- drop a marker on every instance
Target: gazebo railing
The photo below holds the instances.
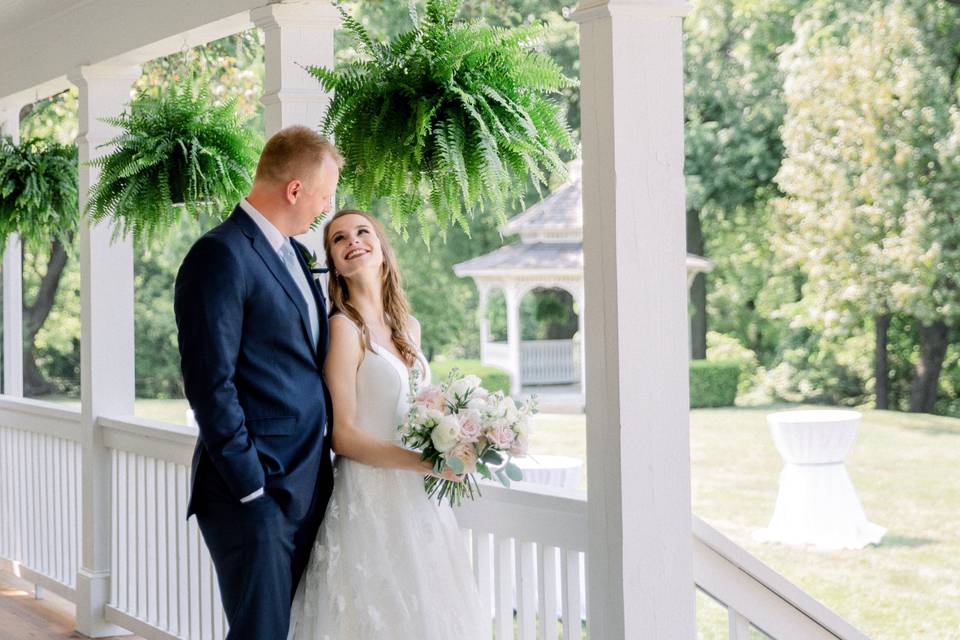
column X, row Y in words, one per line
column 549, row 362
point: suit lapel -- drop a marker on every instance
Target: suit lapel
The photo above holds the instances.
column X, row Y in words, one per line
column 275, row 266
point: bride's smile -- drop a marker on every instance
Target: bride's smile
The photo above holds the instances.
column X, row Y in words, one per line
column 355, row 247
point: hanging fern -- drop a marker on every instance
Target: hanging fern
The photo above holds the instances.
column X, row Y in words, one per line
column 176, row 148
column 38, row 191
column 452, row 114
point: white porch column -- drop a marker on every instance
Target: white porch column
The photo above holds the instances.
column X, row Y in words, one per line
column 12, row 280
column 106, row 343
column 640, row 577
column 296, row 36
column 512, row 294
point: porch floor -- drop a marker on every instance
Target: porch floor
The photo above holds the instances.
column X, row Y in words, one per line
column 23, row 617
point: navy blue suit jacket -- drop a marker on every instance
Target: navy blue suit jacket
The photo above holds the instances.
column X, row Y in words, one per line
column 251, row 374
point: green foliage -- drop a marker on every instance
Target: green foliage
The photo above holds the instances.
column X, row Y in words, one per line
column 492, row 378
column 723, row 348
column 38, row 191
column 176, row 146
column 453, row 114
column 713, row 384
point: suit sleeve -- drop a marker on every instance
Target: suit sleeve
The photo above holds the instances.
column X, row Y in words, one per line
column 208, row 304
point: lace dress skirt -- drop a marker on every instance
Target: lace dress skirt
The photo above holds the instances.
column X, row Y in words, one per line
column 388, row 564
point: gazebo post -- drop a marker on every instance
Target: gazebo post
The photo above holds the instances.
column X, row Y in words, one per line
column 512, row 294
column 296, row 35
column 581, row 311
column 640, row 571
column 12, row 279
column 483, row 295
column 106, row 343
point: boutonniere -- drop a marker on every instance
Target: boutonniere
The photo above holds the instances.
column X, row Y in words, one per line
column 311, row 259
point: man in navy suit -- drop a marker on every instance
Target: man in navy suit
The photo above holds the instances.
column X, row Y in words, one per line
column 252, row 328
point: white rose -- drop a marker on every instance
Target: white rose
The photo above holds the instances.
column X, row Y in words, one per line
column 460, row 388
column 444, row 435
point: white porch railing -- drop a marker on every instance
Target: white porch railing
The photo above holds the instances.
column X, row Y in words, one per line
column 527, row 543
column 549, row 362
column 40, row 497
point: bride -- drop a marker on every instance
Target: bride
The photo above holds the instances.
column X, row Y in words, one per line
column 388, row 562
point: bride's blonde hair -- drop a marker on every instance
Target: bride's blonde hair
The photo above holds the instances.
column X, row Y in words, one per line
column 395, row 305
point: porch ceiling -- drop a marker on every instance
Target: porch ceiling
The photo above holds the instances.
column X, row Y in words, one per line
column 42, row 40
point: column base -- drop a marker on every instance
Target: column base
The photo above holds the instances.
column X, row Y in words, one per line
column 93, row 593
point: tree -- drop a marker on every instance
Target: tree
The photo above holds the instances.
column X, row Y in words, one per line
column 734, row 109
column 871, row 173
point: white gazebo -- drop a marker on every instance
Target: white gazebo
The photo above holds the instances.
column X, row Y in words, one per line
column 548, row 256
column 92, row 499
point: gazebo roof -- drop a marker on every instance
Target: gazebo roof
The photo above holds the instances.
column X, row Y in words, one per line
column 520, row 257
column 561, row 211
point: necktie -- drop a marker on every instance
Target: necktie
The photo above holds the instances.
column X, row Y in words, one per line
column 287, row 253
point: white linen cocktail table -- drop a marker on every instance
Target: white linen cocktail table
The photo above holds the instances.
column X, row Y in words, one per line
column 817, row 503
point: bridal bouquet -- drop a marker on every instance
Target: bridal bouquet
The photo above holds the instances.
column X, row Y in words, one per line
column 459, row 425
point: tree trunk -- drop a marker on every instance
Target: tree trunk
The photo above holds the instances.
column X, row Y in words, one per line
column 698, row 292
column 34, row 315
column 881, row 363
column 934, row 339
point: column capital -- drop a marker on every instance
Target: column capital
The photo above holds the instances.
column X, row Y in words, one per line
column 10, row 120
column 302, row 15
column 591, row 10
column 82, row 75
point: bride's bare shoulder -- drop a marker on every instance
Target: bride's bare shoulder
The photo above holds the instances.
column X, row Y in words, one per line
column 413, row 329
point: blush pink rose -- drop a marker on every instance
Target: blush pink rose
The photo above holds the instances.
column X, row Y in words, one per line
column 501, row 436
column 431, row 397
column 465, row 453
column 520, row 447
column 470, row 427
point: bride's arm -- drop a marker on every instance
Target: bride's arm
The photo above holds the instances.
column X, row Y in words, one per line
column 349, row 441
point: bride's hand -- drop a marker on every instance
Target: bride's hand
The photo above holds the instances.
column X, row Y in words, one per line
column 446, row 474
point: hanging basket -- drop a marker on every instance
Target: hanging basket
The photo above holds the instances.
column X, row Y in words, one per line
column 38, row 191
column 177, row 152
column 451, row 115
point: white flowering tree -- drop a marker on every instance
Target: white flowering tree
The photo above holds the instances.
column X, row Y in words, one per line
column 871, row 174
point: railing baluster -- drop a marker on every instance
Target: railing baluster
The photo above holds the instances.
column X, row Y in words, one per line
column 483, row 570
column 183, row 590
column 149, row 578
column 547, row 582
column 76, row 512
column 59, row 465
column 571, row 594
column 503, row 576
column 193, row 566
column 116, row 575
column 526, row 590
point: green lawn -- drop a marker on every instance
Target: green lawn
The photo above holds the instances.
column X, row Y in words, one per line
column 903, row 467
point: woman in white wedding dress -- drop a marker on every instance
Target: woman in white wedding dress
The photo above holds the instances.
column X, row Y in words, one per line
column 388, row 563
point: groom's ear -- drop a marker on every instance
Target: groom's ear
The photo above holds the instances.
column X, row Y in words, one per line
column 293, row 189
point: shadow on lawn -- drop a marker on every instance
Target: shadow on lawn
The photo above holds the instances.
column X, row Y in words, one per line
column 891, row 541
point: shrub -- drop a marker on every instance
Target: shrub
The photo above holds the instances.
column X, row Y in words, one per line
column 713, row 384
column 493, row 378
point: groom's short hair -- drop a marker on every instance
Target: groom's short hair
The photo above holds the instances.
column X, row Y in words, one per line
column 292, row 151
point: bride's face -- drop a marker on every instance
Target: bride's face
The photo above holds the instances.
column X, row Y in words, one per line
column 355, row 246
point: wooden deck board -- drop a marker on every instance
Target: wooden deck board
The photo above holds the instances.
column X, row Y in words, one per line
column 23, row 617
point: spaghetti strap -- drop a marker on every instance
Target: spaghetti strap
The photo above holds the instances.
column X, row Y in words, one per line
column 349, row 321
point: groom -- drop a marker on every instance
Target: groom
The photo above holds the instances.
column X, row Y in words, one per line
column 252, row 328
